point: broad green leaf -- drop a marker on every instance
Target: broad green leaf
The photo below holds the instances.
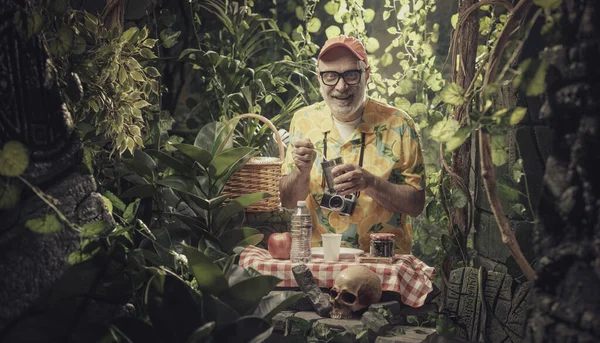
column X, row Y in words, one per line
column 245, row 295
column 227, row 159
column 172, row 162
column 208, row 275
column 453, row 94
column 444, row 130
column 417, row 109
column 372, row 45
column 131, row 211
column 499, row 151
column 314, row 25
column 332, row 31
column 368, row 15
column 331, row 7
column 139, row 191
column 10, row 194
column 93, row 228
column 252, row 240
column 214, row 309
column 138, row 167
column 232, row 237
column 454, row 20
column 116, row 202
column 459, row 138
column 14, row 159
column 404, row 86
column 531, row 76
column 87, row 250
column 274, row 303
column 127, row 35
column 458, row 198
column 238, row 205
column 517, row 115
column 48, row 224
column 200, row 155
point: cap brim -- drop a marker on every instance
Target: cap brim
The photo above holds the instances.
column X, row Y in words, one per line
column 340, row 44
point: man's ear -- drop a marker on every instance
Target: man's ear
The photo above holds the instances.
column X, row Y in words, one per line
column 368, row 73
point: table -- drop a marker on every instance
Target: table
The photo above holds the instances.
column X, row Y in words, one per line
column 408, row 275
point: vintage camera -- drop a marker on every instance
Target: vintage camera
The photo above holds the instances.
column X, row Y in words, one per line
column 339, row 203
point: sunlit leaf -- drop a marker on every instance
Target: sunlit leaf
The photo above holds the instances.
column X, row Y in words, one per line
column 499, row 150
column 332, row 31
column 454, row 20
column 14, row 159
column 453, row 94
column 372, row 45
column 444, row 130
column 368, row 15
column 459, row 138
column 93, row 228
column 314, row 25
column 548, row 4
column 517, row 115
column 48, row 224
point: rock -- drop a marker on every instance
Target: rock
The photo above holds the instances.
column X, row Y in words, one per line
column 375, row 321
column 319, row 300
column 391, row 307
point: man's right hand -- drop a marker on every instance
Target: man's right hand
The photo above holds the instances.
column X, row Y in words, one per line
column 304, row 155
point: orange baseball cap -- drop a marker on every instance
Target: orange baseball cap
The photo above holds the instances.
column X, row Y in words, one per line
column 347, row 42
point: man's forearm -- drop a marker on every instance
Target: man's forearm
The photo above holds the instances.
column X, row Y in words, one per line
column 293, row 187
column 397, row 198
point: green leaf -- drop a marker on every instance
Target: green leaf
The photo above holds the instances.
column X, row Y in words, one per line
column 227, row 159
column 10, row 194
column 14, row 159
column 208, row 275
column 238, row 205
column 274, row 303
column 245, row 295
column 172, row 162
column 147, row 53
column 332, row 31
column 127, row 35
column 444, row 130
column 199, row 155
column 417, row 109
column 531, row 76
column 372, row 45
column 168, row 37
column 139, row 191
column 517, row 115
column 232, row 237
column 48, row 224
column 138, row 167
column 454, row 20
column 131, row 211
column 202, row 333
column 548, row 4
column 517, row 170
column 93, row 228
column 215, row 310
column 116, row 202
column 459, row 138
column 453, row 94
column 458, row 198
column 314, row 25
column 499, row 153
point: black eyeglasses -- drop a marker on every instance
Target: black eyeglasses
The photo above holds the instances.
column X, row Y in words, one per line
column 331, row 78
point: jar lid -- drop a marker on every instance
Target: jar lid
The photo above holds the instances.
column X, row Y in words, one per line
column 382, row 236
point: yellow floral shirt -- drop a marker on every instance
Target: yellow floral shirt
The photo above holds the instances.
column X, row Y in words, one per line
column 392, row 152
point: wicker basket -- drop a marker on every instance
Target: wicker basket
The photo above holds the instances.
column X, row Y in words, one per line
column 260, row 174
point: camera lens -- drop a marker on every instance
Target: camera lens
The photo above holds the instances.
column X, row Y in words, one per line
column 336, row 203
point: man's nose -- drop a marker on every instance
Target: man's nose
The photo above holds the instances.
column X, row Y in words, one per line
column 341, row 85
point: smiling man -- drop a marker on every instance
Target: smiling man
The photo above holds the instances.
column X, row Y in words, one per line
column 382, row 179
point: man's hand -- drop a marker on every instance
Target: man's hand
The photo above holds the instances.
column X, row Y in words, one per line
column 350, row 178
column 304, row 155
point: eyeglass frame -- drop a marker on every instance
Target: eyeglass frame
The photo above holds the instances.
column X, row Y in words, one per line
column 341, row 76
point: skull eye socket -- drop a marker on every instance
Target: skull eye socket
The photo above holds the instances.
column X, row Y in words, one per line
column 345, row 296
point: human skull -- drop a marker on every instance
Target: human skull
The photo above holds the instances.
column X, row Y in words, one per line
column 355, row 288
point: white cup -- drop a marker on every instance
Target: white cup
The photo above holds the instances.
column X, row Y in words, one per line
column 331, row 246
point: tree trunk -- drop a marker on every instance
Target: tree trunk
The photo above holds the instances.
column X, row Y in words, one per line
column 567, row 301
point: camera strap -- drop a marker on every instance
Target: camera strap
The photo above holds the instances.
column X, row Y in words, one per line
column 360, row 157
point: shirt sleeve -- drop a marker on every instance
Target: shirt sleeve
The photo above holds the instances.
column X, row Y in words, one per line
column 410, row 168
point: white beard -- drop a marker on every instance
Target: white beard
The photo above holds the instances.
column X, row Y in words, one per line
column 344, row 110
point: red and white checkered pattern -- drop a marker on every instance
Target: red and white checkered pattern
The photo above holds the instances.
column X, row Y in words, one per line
column 408, row 276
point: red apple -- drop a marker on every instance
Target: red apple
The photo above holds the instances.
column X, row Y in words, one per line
column 280, row 245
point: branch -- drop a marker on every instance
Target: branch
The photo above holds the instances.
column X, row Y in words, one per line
column 489, row 181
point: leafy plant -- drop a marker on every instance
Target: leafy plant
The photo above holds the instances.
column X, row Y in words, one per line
column 110, row 86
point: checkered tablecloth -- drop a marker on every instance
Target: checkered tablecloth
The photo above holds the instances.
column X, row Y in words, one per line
column 408, row 275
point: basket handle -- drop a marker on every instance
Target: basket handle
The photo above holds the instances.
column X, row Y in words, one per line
column 270, row 125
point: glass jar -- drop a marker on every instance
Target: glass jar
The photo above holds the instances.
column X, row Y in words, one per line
column 382, row 245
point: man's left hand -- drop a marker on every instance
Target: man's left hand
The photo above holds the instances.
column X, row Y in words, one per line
column 350, row 178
